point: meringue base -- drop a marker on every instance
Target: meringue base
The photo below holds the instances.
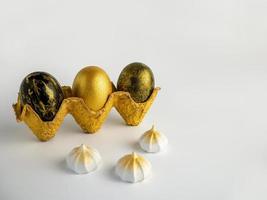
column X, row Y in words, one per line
column 133, row 168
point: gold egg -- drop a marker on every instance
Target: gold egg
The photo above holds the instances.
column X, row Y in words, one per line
column 93, row 85
column 137, row 79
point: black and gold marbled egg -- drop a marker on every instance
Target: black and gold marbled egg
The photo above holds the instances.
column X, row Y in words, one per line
column 43, row 93
column 137, row 79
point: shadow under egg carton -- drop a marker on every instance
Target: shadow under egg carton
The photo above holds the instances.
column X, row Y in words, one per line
column 90, row 121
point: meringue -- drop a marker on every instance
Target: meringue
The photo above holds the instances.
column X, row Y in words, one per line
column 152, row 141
column 133, row 168
column 83, row 159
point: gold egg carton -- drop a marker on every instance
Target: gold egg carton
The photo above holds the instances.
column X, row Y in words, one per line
column 90, row 121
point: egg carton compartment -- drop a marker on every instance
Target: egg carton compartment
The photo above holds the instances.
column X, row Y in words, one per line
column 90, row 121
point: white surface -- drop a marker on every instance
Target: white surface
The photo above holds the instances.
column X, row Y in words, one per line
column 208, row 56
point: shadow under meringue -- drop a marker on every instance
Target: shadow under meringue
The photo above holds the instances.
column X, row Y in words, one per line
column 111, row 174
column 62, row 165
column 136, row 147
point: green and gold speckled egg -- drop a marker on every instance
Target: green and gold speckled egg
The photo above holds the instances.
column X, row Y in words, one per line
column 43, row 93
column 137, row 79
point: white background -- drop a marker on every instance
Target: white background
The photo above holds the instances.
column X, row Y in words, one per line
column 208, row 56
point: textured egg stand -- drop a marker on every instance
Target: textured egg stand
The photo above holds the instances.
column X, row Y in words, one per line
column 90, row 121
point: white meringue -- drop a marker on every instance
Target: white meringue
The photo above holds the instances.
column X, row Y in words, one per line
column 83, row 159
column 133, row 168
column 152, row 141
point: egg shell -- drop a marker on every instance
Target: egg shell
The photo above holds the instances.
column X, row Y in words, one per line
column 93, row 85
column 137, row 79
column 43, row 93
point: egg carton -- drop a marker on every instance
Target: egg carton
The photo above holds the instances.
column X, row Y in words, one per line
column 90, row 121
